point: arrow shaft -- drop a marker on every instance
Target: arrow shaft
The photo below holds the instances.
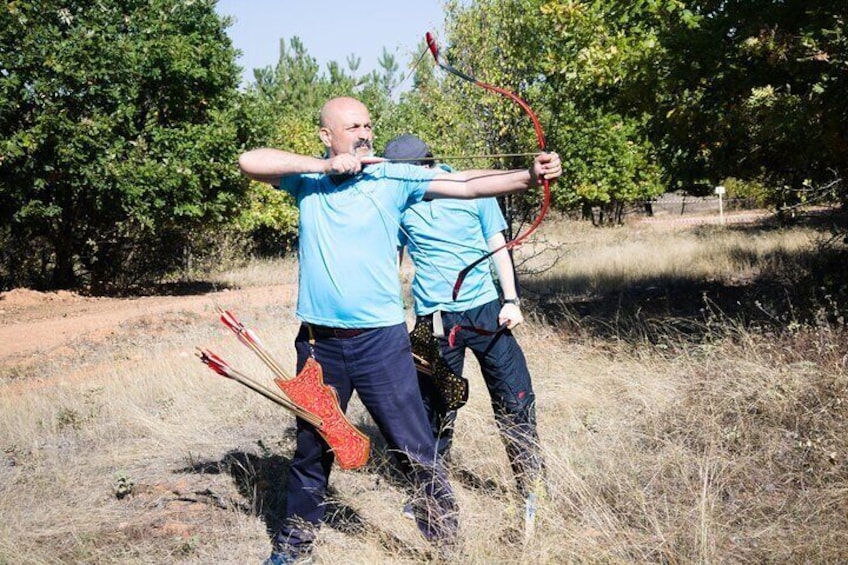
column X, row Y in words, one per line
column 216, row 364
column 461, row 157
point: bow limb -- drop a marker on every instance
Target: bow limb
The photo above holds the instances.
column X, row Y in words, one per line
column 540, row 138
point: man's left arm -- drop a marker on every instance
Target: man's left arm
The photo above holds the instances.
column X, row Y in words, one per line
column 510, row 311
column 489, row 182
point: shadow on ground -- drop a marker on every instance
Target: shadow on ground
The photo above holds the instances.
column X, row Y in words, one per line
column 259, row 479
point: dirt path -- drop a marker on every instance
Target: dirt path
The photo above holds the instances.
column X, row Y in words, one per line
column 34, row 322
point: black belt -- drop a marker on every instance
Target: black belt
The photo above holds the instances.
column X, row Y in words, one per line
column 339, row 333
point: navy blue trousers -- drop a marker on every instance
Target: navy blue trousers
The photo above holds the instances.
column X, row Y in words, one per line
column 377, row 364
column 507, row 378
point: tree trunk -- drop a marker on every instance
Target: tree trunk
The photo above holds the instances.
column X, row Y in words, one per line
column 64, row 275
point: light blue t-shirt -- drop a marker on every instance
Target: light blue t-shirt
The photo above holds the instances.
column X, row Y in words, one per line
column 348, row 274
column 444, row 236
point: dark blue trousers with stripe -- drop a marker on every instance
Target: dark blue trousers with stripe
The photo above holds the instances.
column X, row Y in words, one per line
column 507, row 377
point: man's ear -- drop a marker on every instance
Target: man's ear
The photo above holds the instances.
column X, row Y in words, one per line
column 324, row 134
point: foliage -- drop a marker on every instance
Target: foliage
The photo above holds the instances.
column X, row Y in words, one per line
column 119, row 134
column 270, row 219
column 643, row 96
column 614, row 166
column 120, row 122
column 432, row 111
column 755, row 90
column 124, row 485
column 753, row 191
column 570, row 61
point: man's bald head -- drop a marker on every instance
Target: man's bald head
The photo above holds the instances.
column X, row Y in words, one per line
column 335, row 107
column 345, row 127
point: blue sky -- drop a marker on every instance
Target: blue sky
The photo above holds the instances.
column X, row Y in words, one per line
column 330, row 29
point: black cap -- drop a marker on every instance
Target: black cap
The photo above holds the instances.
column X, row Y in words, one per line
column 409, row 148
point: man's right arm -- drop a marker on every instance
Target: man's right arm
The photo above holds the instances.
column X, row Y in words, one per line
column 269, row 165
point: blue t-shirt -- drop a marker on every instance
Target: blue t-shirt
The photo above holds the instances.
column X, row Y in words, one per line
column 444, row 236
column 348, row 274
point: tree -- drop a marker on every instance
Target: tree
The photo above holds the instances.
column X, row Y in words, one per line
column 290, row 84
column 118, row 137
column 581, row 66
column 755, row 90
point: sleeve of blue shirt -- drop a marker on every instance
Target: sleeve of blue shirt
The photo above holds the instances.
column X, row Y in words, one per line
column 491, row 218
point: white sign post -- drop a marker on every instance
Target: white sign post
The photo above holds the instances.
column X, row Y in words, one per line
column 720, row 191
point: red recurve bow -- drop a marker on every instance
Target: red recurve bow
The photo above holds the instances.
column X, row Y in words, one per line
column 540, row 137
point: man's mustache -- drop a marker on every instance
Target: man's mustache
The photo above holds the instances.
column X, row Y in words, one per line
column 362, row 143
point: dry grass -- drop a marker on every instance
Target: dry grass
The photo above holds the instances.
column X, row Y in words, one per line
column 693, row 433
column 602, row 261
column 260, row 272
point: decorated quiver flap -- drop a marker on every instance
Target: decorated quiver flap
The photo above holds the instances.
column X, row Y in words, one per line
column 349, row 445
column 452, row 389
